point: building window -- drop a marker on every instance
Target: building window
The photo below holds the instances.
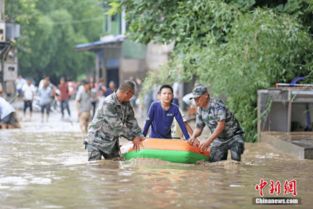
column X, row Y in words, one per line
column 1, row 35
column 114, row 17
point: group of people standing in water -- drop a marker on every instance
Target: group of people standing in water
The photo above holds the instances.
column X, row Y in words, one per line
column 115, row 118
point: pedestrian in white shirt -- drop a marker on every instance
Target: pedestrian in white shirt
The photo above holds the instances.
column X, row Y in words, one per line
column 20, row 82
column 29, row 94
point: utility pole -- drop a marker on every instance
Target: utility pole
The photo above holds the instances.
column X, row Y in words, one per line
column 8, row 53
column 2, row 41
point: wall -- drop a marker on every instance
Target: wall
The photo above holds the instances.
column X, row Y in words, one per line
column 132, row 68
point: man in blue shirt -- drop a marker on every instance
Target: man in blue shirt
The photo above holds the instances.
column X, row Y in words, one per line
column 161, row 115
column 111, row 89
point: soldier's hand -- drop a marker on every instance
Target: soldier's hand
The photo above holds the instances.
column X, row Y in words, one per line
column 191, row 140
column 137, row 141
column 205, row 145
column 194, row 142
column 141, row 138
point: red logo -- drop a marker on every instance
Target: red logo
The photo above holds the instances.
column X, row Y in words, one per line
column 261, row 186
column 290, row 187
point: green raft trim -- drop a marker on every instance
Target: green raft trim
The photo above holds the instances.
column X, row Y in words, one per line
column 174, row 156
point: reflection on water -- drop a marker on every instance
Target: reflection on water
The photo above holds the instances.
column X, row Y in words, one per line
column 40, row 170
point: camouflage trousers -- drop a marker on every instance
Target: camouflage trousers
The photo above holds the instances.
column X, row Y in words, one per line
column 96, row 153
column 219, row 150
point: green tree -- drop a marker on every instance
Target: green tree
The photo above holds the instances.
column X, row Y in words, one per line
column 234, row 46
column 50, row 31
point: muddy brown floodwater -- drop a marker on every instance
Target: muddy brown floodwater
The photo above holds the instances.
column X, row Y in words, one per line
column 42, row 167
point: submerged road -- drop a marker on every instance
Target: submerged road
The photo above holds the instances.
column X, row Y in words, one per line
column 44, row 165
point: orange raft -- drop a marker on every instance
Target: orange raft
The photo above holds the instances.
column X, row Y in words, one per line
column 172, row 150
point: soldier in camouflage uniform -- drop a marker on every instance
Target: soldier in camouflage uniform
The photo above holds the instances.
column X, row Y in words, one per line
column 114, row 118
column 226, row 133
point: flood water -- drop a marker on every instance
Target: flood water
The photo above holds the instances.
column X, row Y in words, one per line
column 42, row 169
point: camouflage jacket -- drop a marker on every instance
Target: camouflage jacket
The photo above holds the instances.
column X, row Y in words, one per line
column 216, row 112
column 113, row 120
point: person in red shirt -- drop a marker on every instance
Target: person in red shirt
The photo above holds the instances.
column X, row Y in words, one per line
column 64, row 97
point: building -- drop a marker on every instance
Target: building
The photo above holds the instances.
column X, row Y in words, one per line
column 118, row 58
column 8, row 53
column 284, row 118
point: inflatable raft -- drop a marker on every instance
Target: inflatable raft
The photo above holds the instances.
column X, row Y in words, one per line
column 177, row 151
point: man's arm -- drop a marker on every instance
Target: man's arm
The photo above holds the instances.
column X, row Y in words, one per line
column 221, row 115
column 132, row 124
column 149, row 120
column 219, row 129
column 134, row 132
column 189, row 129
column 193, row 139
column 198, row 131
column 109, row 120
column 181, row 123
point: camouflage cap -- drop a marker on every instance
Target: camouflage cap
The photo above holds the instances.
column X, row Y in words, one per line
column 198, row 91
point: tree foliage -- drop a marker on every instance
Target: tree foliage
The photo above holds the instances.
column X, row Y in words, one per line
column 49, row 32
column 234, row 46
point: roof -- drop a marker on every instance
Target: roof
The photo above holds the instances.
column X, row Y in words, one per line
column 109, row 40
